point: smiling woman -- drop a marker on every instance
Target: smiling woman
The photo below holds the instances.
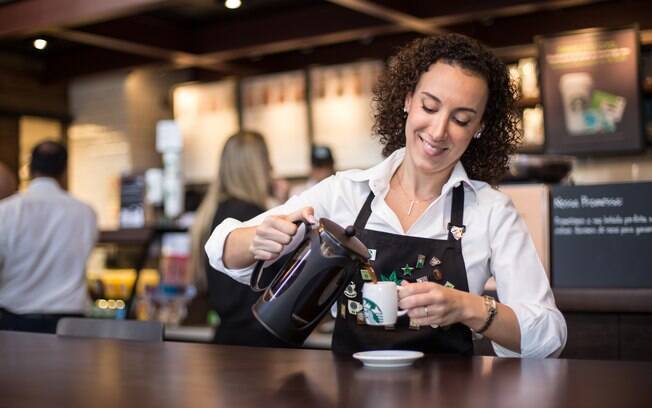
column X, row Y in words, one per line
column 487, row 157
column 445, row 115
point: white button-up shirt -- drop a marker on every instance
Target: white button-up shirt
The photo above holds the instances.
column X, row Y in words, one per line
column 46, row 237
column 496, row 243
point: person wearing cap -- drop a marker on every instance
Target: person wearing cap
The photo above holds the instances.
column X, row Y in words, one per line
column 322, row 165
column 47, row 236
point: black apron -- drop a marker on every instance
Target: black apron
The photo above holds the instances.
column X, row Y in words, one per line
column 398, row 257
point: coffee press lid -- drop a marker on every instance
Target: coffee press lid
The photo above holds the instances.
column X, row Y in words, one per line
column 345, row 238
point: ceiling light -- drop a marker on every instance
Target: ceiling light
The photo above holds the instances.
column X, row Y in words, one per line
column 40, row 44
column 232, row 4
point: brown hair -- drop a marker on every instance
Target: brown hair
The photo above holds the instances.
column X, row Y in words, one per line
column 486, row 158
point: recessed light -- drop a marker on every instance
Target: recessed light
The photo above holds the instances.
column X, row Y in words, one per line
column 232, row 4
column 40, row 44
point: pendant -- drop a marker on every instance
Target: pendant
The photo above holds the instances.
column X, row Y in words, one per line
column 411, row 205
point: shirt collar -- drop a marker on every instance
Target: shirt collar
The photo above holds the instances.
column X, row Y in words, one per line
column 44, row 184
column 379, row 175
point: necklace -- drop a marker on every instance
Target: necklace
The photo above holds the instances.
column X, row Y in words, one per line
column 413, row 201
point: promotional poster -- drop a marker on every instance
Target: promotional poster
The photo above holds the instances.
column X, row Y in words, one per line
column 591, row 92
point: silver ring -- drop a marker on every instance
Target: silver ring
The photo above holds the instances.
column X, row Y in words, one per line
column 425, row 309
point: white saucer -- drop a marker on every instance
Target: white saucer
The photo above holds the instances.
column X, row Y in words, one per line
column 388, row 358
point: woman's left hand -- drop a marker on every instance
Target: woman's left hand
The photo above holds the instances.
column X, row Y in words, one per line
column 429, row 303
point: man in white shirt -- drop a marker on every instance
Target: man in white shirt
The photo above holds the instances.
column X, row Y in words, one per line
column 46, row 238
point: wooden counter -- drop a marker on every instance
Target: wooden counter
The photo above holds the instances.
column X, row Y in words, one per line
column 44, row 370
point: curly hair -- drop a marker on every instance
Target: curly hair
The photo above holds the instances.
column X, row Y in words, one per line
column 486, row 158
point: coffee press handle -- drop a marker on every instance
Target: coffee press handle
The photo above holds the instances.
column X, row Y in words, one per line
column 258, row 269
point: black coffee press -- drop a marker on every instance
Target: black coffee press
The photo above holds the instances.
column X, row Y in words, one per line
column 310, row 281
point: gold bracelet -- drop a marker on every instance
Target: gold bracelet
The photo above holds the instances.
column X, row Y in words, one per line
column 492, row 311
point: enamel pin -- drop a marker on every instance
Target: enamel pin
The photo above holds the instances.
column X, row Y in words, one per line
column 437, row 274
column 365, row 274
column 407, row 270
column 354, row 307
column 350, row 290
column 457, row 232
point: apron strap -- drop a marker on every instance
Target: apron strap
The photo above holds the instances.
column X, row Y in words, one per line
column 365, row 212
column 456, row 227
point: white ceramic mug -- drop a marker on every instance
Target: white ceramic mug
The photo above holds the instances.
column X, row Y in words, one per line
column 380, row 302
column 576, row 91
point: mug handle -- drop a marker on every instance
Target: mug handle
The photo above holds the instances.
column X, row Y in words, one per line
column 401, row 312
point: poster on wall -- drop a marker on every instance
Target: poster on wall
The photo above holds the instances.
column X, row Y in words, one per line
column 342, row 112
column 601, row 236
column 207, row 116
column 275, row 105
column 591, row 91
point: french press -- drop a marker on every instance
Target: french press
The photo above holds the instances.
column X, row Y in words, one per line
column 309, row 282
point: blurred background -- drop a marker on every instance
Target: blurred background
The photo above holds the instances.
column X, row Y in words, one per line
column 144, row 94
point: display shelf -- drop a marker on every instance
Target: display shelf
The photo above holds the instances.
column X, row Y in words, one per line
column 136, row 236
column 604, row 300
column 528, row 102
column 141, row 238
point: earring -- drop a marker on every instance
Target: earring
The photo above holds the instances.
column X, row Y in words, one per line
column 405, row 109
column 478, row 134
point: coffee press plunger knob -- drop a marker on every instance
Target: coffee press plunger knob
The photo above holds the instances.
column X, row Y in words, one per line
column 349, row 231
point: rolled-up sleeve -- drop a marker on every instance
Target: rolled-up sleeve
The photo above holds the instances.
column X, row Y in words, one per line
column 214, row 247
column 522, row 284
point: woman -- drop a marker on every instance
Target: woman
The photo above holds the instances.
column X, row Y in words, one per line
column 445, row 115
column 240, row 191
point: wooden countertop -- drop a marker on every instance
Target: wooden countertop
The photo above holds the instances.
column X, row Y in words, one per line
column 45, row 370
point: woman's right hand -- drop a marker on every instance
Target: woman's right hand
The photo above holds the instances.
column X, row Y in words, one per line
column 276, row 231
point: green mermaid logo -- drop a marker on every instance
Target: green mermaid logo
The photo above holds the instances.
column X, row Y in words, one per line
column 372, row 311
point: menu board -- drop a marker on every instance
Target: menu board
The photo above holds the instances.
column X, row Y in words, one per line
column 207, row 116
column 591, row 91
column 602, row 236
column 342, row 114
column 275, row 105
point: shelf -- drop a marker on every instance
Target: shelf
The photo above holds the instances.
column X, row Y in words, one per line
column 528, row 102
column 604, row 300
column 135, row 236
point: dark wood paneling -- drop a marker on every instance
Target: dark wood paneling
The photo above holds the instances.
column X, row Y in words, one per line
column 22, row 91
column 604, row 300
column 295, row 23
column 9, row 142
column 522, row 29
column 636, row 337
column 592, row 336
column 25, row 17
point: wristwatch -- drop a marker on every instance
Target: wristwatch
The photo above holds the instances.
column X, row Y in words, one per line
column 492, row 311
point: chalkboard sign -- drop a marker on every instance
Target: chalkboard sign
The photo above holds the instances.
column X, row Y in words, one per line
column 602, row 236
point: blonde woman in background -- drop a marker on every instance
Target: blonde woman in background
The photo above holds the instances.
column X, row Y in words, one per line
column 240, row 191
